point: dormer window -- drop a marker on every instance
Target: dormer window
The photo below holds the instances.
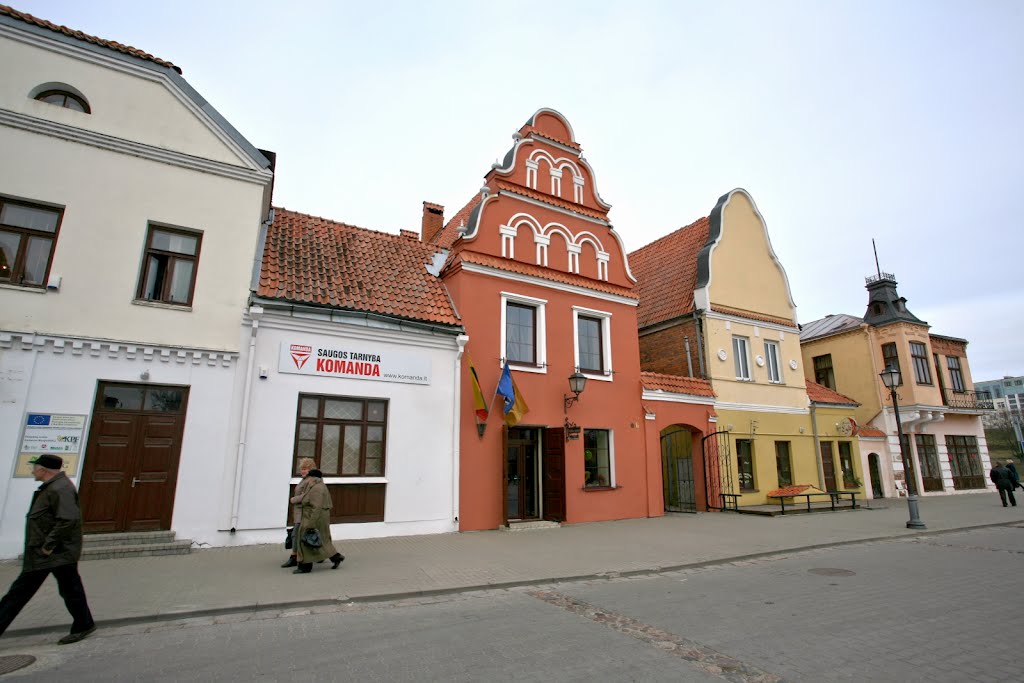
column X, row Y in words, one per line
column 62, row 98
column 61, row 95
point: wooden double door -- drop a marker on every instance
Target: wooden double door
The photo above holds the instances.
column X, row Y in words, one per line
column 131, row 458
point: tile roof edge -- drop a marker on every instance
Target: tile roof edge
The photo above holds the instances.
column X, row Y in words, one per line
column 273, row 302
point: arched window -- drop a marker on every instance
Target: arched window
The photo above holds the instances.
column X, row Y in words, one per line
column 63, row 98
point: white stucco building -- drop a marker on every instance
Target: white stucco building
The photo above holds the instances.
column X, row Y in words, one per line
column 130, row 214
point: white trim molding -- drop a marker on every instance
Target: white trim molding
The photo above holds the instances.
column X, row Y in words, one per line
column 540, row 333
column 605, row 319
column 549, row 284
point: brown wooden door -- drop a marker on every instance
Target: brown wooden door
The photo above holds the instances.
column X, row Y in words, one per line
column 828, row 466
column 131, row 458
column 554, row 474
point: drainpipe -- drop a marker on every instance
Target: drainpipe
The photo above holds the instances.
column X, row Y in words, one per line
column 461, row 340
column 689, row 361
column 817, row 448
column 255, row 313
column 700, row 343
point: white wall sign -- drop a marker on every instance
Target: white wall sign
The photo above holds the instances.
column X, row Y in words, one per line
column 50, row 433
column 358, row 361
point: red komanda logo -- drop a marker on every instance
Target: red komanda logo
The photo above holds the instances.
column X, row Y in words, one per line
column 300, row 354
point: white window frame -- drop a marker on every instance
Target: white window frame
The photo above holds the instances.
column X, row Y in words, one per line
column 540, row 340
column 772, row 362
column 741, row 357
column 606, row 342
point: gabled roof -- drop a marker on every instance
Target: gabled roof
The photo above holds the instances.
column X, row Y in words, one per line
column 829, row 325
column 871, row 432
column 676, row 384
column 320, row 262
column 71, row 33
column 822, row 394
column 446, row 236
column 666, row 274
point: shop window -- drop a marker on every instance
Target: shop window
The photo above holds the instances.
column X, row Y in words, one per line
column 745, row 464
column 783, row 463
column 597, row 458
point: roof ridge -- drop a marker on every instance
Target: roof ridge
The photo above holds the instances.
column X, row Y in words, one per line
column 384, row 233
column 666, row 236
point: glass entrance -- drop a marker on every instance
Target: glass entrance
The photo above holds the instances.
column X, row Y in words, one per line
column 521, row 499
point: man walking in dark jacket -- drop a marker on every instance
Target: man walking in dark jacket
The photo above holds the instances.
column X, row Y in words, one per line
column 53, row 545
column 1000, row 476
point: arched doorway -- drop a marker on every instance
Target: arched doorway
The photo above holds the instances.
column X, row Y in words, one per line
column 677, row 469
column 876, row 476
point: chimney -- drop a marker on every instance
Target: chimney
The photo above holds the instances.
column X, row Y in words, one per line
column 433, row 221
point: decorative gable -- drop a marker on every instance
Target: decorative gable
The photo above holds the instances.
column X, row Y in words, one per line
column 540, row 206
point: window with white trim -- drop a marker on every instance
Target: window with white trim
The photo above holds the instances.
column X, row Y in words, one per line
column 741, row 357
column 598, row 463
column 592, row 342
column 771, row 361
column 523, row 335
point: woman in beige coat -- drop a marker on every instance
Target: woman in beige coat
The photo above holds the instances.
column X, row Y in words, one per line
column 305, row 465
column 315, row 503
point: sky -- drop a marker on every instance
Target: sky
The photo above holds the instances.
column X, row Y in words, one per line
column 847, row 121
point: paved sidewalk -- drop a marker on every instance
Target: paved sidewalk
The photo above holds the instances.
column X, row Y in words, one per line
column 248, row 578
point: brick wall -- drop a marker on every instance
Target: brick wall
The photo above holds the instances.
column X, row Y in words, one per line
column 665, row 350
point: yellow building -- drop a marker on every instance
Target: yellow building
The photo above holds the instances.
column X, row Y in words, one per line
column 939, row 410
column 715, row 303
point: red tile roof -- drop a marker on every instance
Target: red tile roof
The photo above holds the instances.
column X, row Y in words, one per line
column 789, row 491
column 550, row 199
column 666, row 273
column 871, row 431
column 676, row 384
column 119, row 47
column 317, row 261
column 536, row 271
column 527, row 130
column 749, row 315
column 446, row 236
column 822, row 394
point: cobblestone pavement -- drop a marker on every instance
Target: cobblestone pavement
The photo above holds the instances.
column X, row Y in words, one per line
column 935, row 608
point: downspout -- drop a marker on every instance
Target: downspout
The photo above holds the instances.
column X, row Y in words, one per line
column 255, row 312
column 700, row 343
column 461, row 340
column 817, row 448
column 689, row 361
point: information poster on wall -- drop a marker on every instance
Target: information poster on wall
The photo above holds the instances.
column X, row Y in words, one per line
column 359, row 361
column 57, row 434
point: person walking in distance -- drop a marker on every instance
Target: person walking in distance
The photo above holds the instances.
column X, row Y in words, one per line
column 305, row 465
column 1000, row 476
column 1013, row 474
column 53, row 545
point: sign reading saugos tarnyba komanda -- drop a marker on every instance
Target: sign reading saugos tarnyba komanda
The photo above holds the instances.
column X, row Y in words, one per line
column 356, row 361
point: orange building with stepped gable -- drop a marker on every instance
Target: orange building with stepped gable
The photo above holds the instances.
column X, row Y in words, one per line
column 541, row 281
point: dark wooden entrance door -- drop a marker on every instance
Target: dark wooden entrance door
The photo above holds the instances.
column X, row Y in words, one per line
column 677, row 469
column 131, row 458
column 521, row 481
column 876, row 476
column 554, row 474
column 828, row 466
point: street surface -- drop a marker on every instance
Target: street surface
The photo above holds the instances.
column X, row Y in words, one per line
column 942, row 607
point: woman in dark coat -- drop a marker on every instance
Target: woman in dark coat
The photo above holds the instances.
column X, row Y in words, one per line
column 316, row 515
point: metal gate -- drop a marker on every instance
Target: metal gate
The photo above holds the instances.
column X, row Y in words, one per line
column 718, row 471
column 677, row 469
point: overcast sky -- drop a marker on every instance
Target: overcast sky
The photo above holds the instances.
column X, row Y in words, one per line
column 846, row 121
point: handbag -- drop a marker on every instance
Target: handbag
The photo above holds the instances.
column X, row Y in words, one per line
column 288, row 536
column 312, row 538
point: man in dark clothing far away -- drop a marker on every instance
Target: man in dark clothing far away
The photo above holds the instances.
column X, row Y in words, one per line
column 1013, row 474
column 1000, row 476
column 53, row 545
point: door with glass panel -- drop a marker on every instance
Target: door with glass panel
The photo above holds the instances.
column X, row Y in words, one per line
column 130, row 474
column 522, row 464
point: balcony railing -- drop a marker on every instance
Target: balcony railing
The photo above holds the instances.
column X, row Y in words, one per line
column 968, row 400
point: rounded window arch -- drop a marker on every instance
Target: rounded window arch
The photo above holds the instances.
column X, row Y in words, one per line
column 61, row 95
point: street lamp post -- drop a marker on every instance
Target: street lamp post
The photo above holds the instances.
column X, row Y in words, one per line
column 891, row 379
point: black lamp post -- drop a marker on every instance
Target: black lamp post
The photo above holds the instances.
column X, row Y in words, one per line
column 891, row 379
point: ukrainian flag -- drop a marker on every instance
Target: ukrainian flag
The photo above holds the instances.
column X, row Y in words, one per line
column 514, row 406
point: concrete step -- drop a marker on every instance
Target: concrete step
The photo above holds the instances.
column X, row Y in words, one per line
column 128, row 538
column 532, row 525
column 112, row 552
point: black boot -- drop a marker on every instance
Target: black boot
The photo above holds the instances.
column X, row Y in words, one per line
column 337, row 559
column 304, row 568
column 290, row 563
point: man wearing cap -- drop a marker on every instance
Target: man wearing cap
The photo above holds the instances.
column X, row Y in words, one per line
column 53, row 545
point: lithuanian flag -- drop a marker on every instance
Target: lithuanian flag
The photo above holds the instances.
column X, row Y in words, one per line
column 479, row 404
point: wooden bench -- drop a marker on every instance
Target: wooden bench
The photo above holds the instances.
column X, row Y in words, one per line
column 801, row 491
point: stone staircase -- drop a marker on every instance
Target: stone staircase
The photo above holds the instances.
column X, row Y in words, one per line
column 532, row 525
column 133, row 544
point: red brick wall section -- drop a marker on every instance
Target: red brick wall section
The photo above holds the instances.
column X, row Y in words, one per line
column 433, row 220
column 665, row 350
